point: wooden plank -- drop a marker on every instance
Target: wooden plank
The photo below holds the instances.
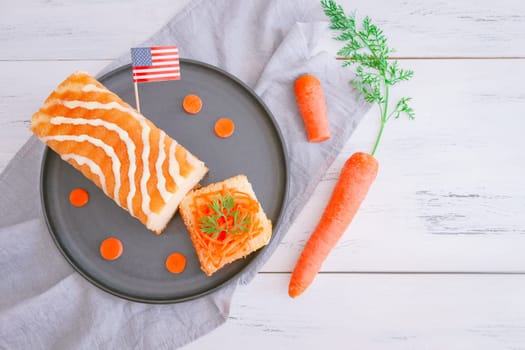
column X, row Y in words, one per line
column 342, row 311
column 40, row 29
column 106, row 29
column 449, row 196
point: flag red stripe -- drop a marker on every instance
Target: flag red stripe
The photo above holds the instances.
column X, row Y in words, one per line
column 160, row 54
column 136, row 74
column 165, row 58
column 165, row 66
column 155, row 79
column 174, row 60
column 156, row 69
column 163, row 47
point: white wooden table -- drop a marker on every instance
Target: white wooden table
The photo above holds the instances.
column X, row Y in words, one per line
column 435, row 258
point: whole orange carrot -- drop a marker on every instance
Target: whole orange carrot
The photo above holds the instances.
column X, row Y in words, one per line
column 312, row 107
column 357, row 175
column 375, row 74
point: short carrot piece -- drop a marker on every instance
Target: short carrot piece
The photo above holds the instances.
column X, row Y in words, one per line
column 111, row 248
column 357, row 175
column 224, row 127
column 312, row 107
column 78, row 197
column 175, row 263
column 192, row 104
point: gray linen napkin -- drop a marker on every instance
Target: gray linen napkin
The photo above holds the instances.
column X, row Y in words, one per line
column 267, row 44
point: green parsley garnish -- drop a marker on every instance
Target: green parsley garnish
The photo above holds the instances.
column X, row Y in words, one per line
column 224, row 217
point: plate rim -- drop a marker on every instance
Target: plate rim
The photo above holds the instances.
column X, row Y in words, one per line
column 219, row 286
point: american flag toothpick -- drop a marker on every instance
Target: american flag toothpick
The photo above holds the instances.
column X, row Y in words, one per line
column 152, row 64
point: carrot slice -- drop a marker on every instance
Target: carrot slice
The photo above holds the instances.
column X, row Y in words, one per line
column 78, row 197
column 358, row 174
column 111, row 248
column 224, row 127
column 192, row 104
column 312, row 107
column 175, row 263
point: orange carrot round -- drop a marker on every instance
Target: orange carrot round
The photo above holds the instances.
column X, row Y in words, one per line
column 192, row 104
column 111, row 248
column 312, row 107
column 78, row 197
column 358, row 174
column 175, row 263
column 224, row 127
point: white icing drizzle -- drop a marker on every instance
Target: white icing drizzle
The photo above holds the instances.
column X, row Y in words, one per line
column 95, row 169
column 98, row 143
column 161, row 180
column 145, row 141
column 124, row 136
column 145, row 170
column 95, row 105
column 93, row 87
column 194, row 161
column 173, row 167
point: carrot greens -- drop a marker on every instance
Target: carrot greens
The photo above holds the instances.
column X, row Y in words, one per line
column 367, row 48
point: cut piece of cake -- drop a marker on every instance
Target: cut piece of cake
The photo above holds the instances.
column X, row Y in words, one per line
column 225, row 221
column 142, row 169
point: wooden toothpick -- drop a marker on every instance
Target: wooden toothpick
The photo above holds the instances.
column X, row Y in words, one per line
column 137, row 101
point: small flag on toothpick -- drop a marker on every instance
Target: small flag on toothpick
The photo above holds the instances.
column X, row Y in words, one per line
column 152, row 64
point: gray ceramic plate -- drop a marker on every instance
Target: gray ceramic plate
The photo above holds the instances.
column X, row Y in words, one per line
column 255, row 149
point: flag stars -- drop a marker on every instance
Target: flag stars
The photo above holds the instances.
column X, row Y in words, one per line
column 141, row 56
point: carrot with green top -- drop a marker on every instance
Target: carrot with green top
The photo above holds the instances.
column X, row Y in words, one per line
column 375, row 74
